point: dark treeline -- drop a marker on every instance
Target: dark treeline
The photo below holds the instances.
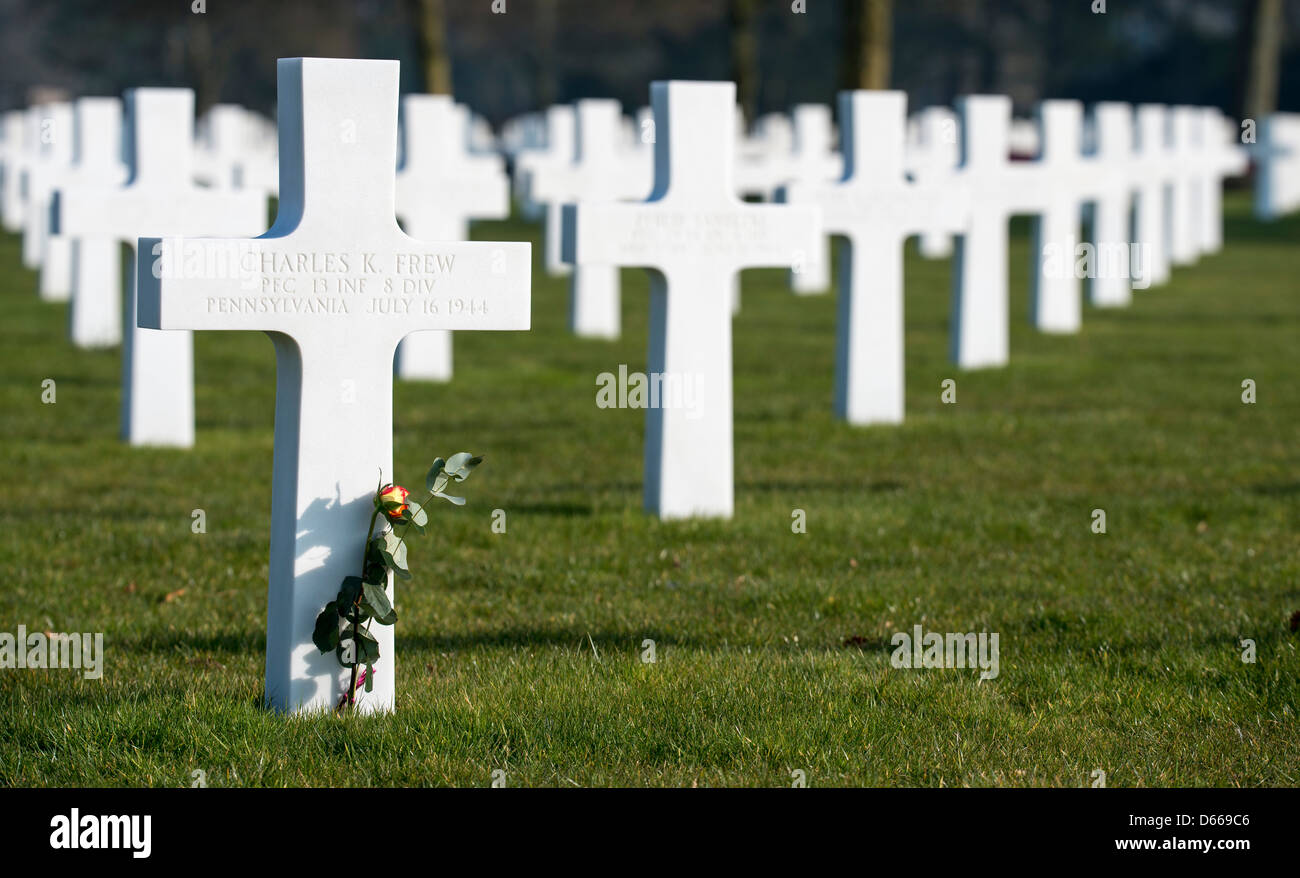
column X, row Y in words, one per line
column 541, row 50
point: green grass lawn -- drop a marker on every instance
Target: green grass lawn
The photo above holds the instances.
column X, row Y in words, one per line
column 522, row 651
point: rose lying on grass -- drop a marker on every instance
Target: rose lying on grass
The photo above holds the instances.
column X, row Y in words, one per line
column 364, row 598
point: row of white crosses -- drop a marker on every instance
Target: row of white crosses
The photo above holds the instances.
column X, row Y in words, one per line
column 93, row 212
column 160, row 197
column 327, row 282
column 696, row 239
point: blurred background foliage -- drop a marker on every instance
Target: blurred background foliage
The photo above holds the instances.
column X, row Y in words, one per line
column 1238, row 54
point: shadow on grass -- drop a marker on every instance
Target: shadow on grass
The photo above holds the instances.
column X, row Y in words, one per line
column 563, row 510
column 242, row 643
column 881, row 486
column 579, row 639
column 1276, row 489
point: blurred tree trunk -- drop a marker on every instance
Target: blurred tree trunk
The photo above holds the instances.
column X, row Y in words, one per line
column 867, row 51
column 207, row 57
column 1262, row 37
column 742, row 20
column 548, row 80
column 430, row 20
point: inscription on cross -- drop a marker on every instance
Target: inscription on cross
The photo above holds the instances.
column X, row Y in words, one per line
column 327, row 284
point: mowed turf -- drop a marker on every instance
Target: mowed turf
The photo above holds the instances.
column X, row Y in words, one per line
column 523, row 651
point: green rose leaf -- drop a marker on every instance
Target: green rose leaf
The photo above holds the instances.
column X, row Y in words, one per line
column 366, row 651
column 458, row 501
column 376, row 601
column 369, row 651
column 370, row 677
column 376, row 569
column 349, row 592
column 460, row 465
column 326, row 635
column 393, row 551
column 434, row 472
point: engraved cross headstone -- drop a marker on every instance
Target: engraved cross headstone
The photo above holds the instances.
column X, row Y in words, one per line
column 1221, row 156
column 1114, row 179
column 814, row 161
column 329, row 284
column 1154, row 176
column 1186, row 190
column 41, row 178
column 95, row 310
column 876, row 209
column 1064, row 183
column 696, row 234
column 979, row 331
column 1277, row 159
column 938, row 151
column 1050, row 189
column 15, row 153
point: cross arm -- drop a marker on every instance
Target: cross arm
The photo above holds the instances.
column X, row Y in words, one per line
column 127, row 213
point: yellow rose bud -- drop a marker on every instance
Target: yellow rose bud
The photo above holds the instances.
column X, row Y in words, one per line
column 393, row 501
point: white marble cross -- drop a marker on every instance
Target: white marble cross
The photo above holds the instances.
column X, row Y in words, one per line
column 160, row 198
column 1221, row 156
column 17, row 148
column 1114, row 181
column 1064, row 183
column 41, row 178
column 602, row 170
column 1277, row 159
column 814, row 161
column 440, row 188
column 979, row 330
column 876, row 209
column 763, row 162
column 1154, row 177
column 95, row 311
column 937, row 154
column 222, row 143
column 696, row 234
column 1187, row 188
column 336, row 284
column 561, row 134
